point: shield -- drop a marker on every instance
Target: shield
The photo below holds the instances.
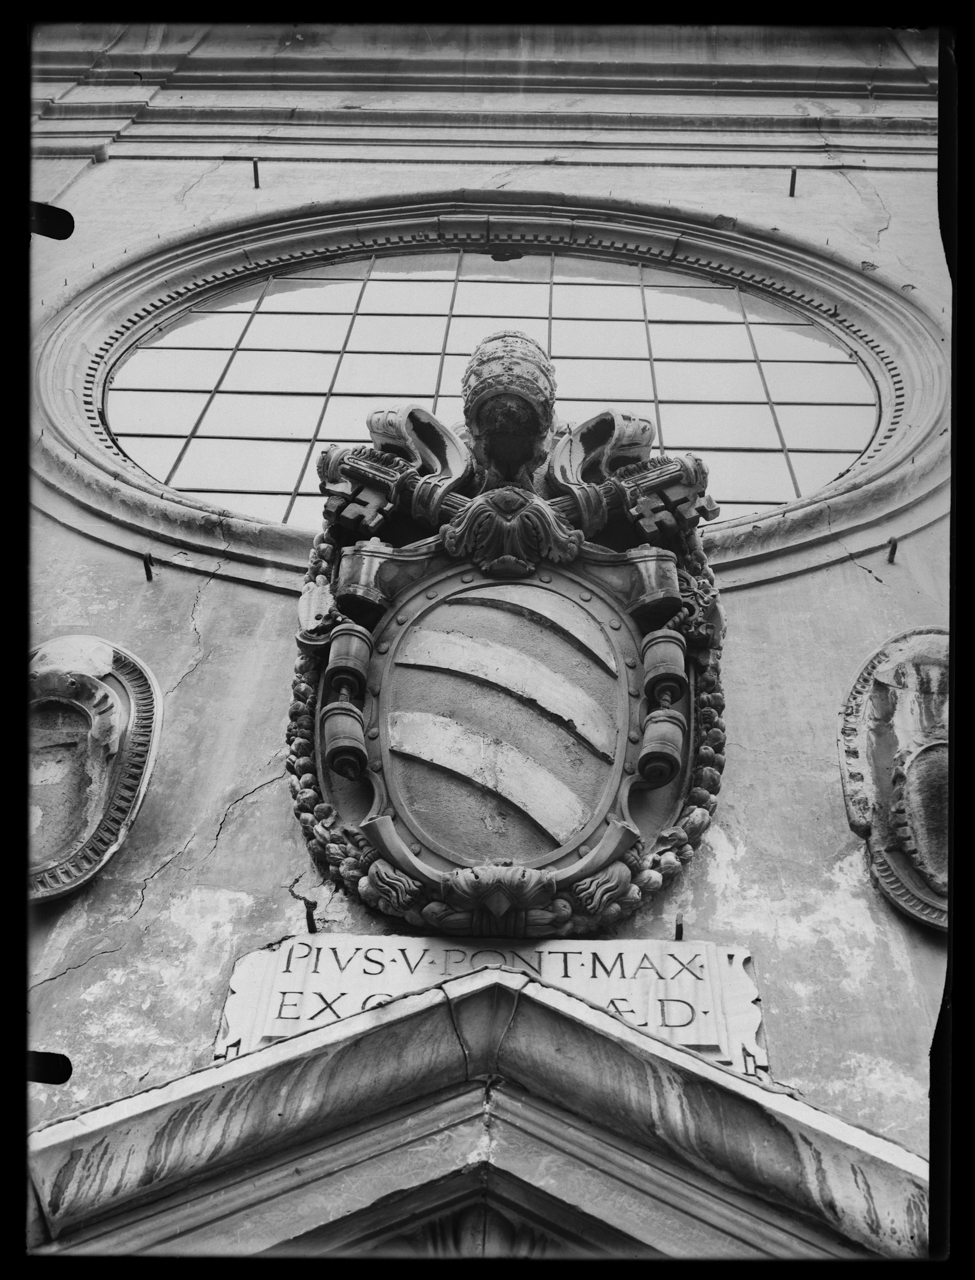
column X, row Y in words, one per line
column 504, row 716
column 516, row 721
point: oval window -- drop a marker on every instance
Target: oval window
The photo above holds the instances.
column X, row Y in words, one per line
column 231, row 403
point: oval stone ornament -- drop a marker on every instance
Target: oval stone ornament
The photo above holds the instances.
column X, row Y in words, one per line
column 503, row 720
column 95, row 716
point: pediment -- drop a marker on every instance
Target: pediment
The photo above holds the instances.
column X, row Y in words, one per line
column 493, row 1072
column 478, row 1212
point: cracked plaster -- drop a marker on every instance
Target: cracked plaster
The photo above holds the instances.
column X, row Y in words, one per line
column 132, row 971
column 135, row 967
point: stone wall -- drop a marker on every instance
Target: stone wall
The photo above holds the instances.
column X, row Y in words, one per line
column 147, row 147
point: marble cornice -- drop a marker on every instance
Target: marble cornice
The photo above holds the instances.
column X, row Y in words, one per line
column 409, row 114
column 753, row 1140
column 748, row 60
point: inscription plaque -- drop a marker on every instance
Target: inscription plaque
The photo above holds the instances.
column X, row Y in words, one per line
column 695, row 995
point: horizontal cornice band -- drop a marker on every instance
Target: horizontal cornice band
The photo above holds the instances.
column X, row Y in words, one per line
column 757, row 80
column 420, row 118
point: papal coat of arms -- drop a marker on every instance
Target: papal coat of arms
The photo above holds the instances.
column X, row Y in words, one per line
column 506, row 716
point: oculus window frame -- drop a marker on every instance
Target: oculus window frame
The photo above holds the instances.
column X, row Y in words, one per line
column 901, row 348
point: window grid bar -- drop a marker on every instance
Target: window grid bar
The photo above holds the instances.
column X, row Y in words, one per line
column 653, row 373
column 283, row 493
column 761, row 374
column 331, row 351
column 506, row 315
column 296, row 491
column 551, row 296
column 426, row 395
column 328, row 394
column 216, row 388
column 711, row 448
column 446, row 332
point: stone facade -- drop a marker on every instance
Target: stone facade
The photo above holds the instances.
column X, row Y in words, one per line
column 800, row 163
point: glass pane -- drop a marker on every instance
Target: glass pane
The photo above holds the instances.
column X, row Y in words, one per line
column 170, row 370
column 679, row 380
column 244, row 464
column 599, row 338
column 762, row 311
column 827, row 426
column 714, row 305
column 406, row 297
column 702, row 426
column 700, row 342
column 259, row 506
column 307, row 513
column 388, row 375
column 588, row 379
column 678, row 279
column 450, row 410
column 614, row 302
column 584, row 270
column 813, row 470
column 309, row 481
column 239, row 300
column 796, row 342
column 199, row 330
column 338, row 271
column 280, row 371
column 453, row 372
column 311, row 295
column 397, row 333
column 818, row 382
column 156, row 412
column 155, row 456
column 421, row 266
column 496, row 299
column 297, row 333
column 289, row 417
column 577, row 411
column 467, row 331
column 480, row 266
column 345, row 416
column 748, row 477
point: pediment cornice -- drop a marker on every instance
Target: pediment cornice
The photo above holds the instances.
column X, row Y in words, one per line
column 128, row 1165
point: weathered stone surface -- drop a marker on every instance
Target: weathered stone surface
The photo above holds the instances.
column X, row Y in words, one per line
column 130, row 979
column 128, row 976
column 691, row 994
column 784, row 871
column 95, row 723
column 252, row 1108
column 893, row 745
column 132, row 1152
column 771, row 1144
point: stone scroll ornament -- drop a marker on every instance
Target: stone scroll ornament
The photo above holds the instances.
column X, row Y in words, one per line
column 893, row 744
column 95, row 715
column 506, row 715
